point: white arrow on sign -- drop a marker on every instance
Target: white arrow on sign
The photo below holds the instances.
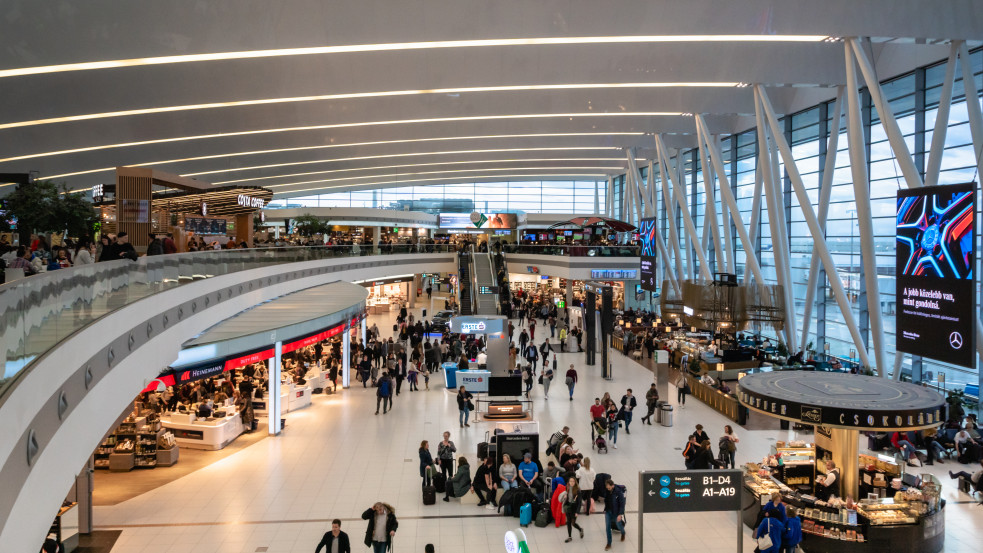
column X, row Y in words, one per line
column 651, row 493
column 652, row 481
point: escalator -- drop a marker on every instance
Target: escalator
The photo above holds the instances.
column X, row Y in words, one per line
column 464, row 281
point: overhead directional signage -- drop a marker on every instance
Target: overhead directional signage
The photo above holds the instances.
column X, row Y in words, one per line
column 691, row 491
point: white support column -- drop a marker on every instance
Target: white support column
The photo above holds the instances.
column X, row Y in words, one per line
column 755, row 222
column 273, row 406
column 972, row 107
column 901, row 153
column 825, row 191
column 775, row 201
column 609, row 198
column 934, row 162
column 687, row 220
column 725, row 218
column 597, row 199
column 861, row 188
column 710, row 207
column 660, row 243
column 728, row 197
column 362, row 328
column 650, row 197
column 670, row 214
column 814, row 227
column 346, row 357
column 636, row 189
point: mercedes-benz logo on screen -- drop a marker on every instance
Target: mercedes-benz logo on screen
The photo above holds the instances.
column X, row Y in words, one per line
column 956, row 340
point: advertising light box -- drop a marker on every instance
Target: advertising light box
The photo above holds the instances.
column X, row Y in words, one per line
column 646, row 230
column 935, row 256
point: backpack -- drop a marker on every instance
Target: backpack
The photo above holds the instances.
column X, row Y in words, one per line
column 384, row 388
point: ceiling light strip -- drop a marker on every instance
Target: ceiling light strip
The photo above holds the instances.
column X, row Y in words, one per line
column 387, row 47
column 405, row 154
column 445, row 172
column 617, row 160
column 345, row 125
column 353, row 95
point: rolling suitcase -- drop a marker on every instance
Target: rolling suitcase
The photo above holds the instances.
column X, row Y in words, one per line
column 440, row 482
column 543, row 517
column 525, row 514
column 429, row 495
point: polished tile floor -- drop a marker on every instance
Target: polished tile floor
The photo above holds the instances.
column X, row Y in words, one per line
column 336, row 458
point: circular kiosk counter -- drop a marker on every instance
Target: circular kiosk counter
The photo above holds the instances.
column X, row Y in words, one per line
column 840, row 406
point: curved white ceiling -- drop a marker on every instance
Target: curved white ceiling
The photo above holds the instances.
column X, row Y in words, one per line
column 306, row 95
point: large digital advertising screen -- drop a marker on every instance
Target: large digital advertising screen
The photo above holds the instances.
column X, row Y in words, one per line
column 936, row 237
column 646, row 231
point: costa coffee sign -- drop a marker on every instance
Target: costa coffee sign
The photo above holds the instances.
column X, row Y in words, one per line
column 249, row 201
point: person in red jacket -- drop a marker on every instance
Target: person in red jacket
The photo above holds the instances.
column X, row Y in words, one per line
column 900, row 441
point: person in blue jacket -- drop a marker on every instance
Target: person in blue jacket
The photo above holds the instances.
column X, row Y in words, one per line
column 776, row 504
column 793, row 531
column 774, row 528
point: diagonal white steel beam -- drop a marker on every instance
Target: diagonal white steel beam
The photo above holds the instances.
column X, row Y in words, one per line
column 972, row 106
column 900, row 148
column 728, row 196
column 776, row 206
column 861, row 189
column 670, row 212
column 687, row 220
column 815, row 229
column 825, row 191
column 710, row 206
column 934, row 163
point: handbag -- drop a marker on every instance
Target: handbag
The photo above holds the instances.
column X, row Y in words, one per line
column 569, row 380
column 470, row 406
column 764, row 542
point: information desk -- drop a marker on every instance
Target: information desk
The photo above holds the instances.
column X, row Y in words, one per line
column 210, row 434
column 881, row 526
column 450, row 375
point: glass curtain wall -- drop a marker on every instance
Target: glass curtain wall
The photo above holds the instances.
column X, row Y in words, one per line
column 464, row 197
column 914, row 99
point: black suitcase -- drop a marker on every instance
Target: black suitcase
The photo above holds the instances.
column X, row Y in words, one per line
column 543, row 517
column 483, row 451
column 317, row 391
column 429, row 495
column 440, row 482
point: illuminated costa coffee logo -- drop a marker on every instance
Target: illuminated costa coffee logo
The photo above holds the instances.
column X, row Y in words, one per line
column 249, row 201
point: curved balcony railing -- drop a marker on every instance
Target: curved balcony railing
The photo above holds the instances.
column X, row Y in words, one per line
column 40, row 311
column 574, row 250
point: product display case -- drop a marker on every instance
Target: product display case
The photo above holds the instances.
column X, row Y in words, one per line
column 909, row 522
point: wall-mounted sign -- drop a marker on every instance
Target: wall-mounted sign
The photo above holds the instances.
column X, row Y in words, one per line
column 204, row 209
column 936, row 284
column 250, row 201
column 97, row 192
column 201, row 225
column 532, row 270
column 614, row 274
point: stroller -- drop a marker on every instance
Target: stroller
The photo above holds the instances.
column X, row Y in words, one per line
column 598, row 429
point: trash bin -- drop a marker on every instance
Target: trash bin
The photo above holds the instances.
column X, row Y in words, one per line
column 658, row 411
column 666, row 412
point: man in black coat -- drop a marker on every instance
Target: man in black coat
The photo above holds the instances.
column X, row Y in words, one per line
column 327, row 542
